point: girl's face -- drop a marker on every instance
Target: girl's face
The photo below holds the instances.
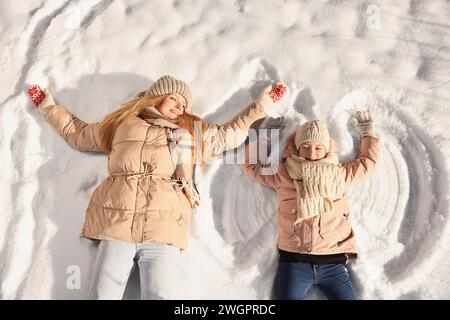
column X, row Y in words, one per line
column 312, row 150
column 172, row 106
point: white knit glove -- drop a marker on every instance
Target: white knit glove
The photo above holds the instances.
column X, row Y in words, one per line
column 364, row 123
column 272, row 94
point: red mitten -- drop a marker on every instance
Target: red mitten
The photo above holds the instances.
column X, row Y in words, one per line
column 36, row 95
column 271, row 94
column 277, row 92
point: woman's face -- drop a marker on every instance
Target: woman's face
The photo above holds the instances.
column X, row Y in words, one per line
column 312, row 150
column 172, row 106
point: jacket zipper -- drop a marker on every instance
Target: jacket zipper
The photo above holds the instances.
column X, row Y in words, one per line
column 148, row 183
column 137, row 185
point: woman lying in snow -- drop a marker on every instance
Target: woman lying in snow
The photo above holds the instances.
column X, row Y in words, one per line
column 143, row 209
column 315, row 237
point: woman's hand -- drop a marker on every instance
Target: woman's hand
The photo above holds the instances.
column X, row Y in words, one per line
column 364, row 123
column 41, row 99
column 272, row 94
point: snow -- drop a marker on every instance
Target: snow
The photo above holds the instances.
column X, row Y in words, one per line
column 336, row 57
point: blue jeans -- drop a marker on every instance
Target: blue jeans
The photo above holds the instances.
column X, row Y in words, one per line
column 294, row 279
column 159, row 266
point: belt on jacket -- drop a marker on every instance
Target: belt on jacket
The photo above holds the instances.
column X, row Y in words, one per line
column 180, row 183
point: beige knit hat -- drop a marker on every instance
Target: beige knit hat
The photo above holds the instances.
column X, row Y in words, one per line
column 168, row 84
column 313, row 130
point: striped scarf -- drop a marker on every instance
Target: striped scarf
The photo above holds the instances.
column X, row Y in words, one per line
column 180, row 144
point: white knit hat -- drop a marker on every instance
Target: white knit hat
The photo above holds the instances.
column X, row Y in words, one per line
column 168, row 84
column 313, row 130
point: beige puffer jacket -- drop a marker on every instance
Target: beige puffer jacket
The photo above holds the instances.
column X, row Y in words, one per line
column 327, row 233
column 137, row 202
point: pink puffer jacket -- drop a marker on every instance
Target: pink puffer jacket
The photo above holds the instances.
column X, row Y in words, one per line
column 327, row 233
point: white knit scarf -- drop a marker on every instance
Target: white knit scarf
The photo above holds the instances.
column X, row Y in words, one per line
column 317, row 183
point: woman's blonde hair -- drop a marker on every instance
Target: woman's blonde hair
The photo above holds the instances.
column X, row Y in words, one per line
column 132, row 109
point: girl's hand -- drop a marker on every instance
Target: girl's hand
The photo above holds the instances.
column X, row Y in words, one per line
column 272, row 94
column 364, row 123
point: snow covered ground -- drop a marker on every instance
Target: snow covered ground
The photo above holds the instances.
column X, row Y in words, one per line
column 336, row 56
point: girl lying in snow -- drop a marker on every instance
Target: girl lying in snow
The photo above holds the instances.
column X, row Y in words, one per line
column 142, row 211
column 315, row 237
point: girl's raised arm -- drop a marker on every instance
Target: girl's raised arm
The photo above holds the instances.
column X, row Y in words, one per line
column 369, row 150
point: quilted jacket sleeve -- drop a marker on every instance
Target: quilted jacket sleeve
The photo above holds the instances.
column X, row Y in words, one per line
column 79, row 134
column 230, row 135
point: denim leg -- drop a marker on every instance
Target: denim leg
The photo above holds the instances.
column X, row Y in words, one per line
column 294, row 279
column 112, row 268
column 159, row 266
column 334, row 281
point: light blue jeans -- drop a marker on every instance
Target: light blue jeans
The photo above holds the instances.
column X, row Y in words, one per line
column 158, row 263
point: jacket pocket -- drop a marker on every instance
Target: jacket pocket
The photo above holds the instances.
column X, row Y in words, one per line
column 334, row 227
column 286, row 222
column 180, row 208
